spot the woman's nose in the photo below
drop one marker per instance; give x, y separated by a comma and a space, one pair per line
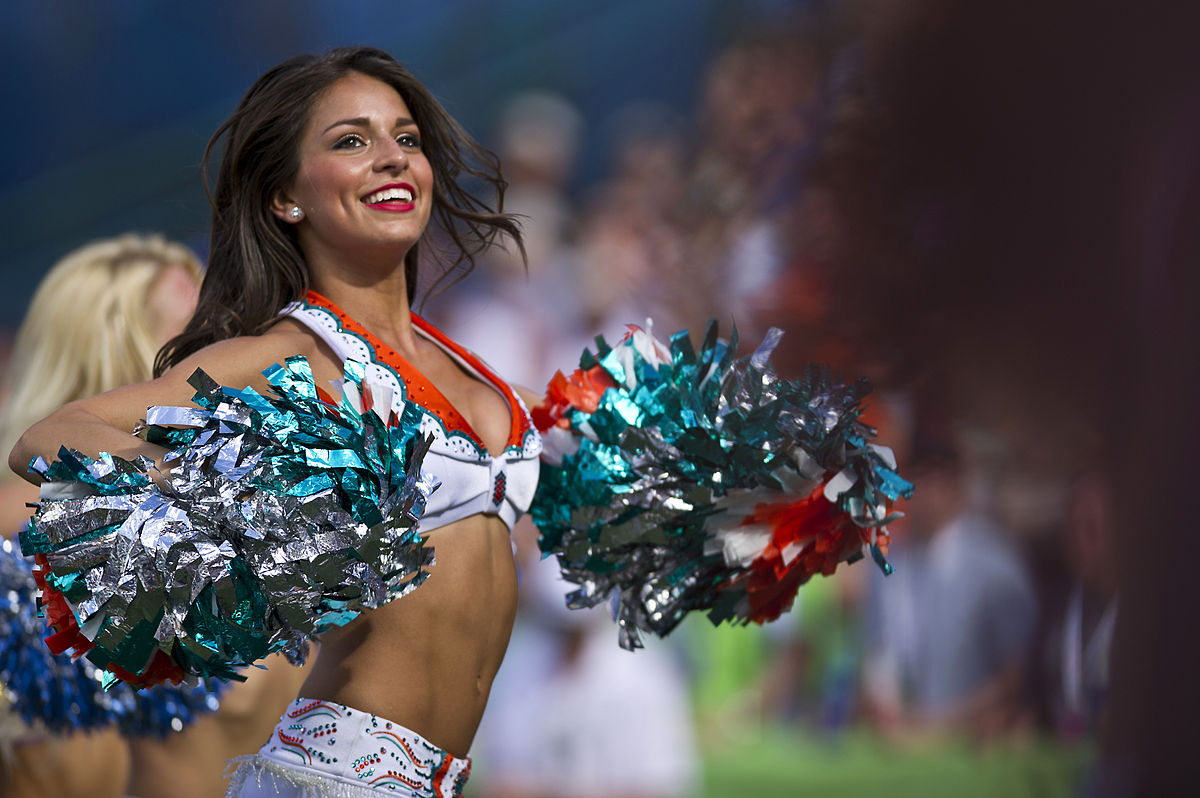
390, 155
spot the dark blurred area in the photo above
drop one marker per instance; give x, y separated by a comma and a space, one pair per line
1021, 183
989, 209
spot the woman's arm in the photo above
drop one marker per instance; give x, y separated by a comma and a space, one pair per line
105, 422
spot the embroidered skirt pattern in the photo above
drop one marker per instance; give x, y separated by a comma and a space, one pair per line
321, 749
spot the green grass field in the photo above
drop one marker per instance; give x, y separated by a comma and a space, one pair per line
779, 764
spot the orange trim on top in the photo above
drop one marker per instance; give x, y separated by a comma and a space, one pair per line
420, 389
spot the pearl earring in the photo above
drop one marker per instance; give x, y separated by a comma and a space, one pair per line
296, 214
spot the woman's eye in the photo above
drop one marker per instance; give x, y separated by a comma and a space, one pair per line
409, 140
348, 142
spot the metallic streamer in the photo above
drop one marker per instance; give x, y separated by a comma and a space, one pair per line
679, 479
281, 516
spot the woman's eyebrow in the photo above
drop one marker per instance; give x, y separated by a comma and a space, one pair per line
362, 121
358, 121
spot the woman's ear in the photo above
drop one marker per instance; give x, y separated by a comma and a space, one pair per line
285, 209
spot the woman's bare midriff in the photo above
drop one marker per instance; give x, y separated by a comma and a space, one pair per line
427, 660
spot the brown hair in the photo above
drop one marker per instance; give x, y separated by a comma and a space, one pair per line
255, 267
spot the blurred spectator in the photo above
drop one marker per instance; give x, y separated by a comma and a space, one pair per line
573, 715
812, 666
1079, 649
527, 324
539, 134
755, 141
630, 258
958, 617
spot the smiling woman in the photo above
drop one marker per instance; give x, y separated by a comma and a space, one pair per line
256, 264
334, 170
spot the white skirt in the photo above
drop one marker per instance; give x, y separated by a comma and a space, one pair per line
324, 750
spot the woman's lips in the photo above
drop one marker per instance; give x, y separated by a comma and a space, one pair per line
397, 197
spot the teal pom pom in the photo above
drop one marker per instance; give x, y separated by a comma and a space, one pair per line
658, 460
283, 516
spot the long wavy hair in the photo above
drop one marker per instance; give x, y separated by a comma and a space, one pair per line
89, 328
255, 266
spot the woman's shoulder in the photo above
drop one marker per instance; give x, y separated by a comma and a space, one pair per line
241, 360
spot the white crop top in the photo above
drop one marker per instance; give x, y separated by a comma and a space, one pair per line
472, 480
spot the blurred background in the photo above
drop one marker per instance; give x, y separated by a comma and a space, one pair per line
990, 211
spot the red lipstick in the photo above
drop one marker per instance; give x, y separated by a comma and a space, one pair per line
393, 197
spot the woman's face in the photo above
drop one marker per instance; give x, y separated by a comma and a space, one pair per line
171, 302
364, 185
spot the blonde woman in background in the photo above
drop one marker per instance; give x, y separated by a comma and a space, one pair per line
95, 323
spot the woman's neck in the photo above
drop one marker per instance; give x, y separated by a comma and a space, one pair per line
379, 305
